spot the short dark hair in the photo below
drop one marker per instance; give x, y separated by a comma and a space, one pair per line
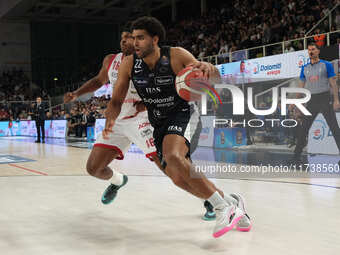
313, 44
151, 25
127, 27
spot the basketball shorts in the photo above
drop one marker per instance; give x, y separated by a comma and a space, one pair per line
137, 130
183, 123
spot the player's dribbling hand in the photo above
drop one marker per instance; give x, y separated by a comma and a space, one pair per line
69, 97
206, 68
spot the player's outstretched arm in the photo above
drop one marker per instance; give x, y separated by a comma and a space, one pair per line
93, 84
118, 94
182, 58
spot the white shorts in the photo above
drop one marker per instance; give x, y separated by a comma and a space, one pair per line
137, 130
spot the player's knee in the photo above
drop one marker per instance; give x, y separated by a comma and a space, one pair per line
173, 158
91, 168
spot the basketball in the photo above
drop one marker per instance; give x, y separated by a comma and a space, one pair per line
190, 84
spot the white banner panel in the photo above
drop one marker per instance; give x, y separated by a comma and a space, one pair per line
275, 67
55, 128
27, 128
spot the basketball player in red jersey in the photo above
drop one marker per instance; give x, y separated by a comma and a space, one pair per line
153, 69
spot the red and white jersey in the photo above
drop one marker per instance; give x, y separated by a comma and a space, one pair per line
128, 110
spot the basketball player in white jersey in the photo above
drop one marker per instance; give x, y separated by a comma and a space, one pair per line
133, 125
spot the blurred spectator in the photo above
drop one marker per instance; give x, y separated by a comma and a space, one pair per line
266, 33
289, 47
248, 23
319, 39
16, 94
49, 116
23, 115
83, 123
337, 20
71, 123
91, 119
62, 115
4, 115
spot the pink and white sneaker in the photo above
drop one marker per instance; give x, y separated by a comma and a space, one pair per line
226, 219
244, 224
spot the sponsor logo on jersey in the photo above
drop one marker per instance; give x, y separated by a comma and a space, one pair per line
164, 80
143, 125
146, 132
153, 90
159, 100
140, 82
156, 113
175, 128
114, 75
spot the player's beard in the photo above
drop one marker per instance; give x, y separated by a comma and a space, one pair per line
128, 51
147, 51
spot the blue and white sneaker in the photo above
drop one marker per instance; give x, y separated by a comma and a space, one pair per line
111, 192
210, 213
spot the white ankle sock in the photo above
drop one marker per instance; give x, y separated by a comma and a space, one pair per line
216, 200
229, 199
117, 178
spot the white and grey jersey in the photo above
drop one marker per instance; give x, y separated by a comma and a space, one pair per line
317, 76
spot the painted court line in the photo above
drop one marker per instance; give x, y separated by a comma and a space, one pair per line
27, 169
